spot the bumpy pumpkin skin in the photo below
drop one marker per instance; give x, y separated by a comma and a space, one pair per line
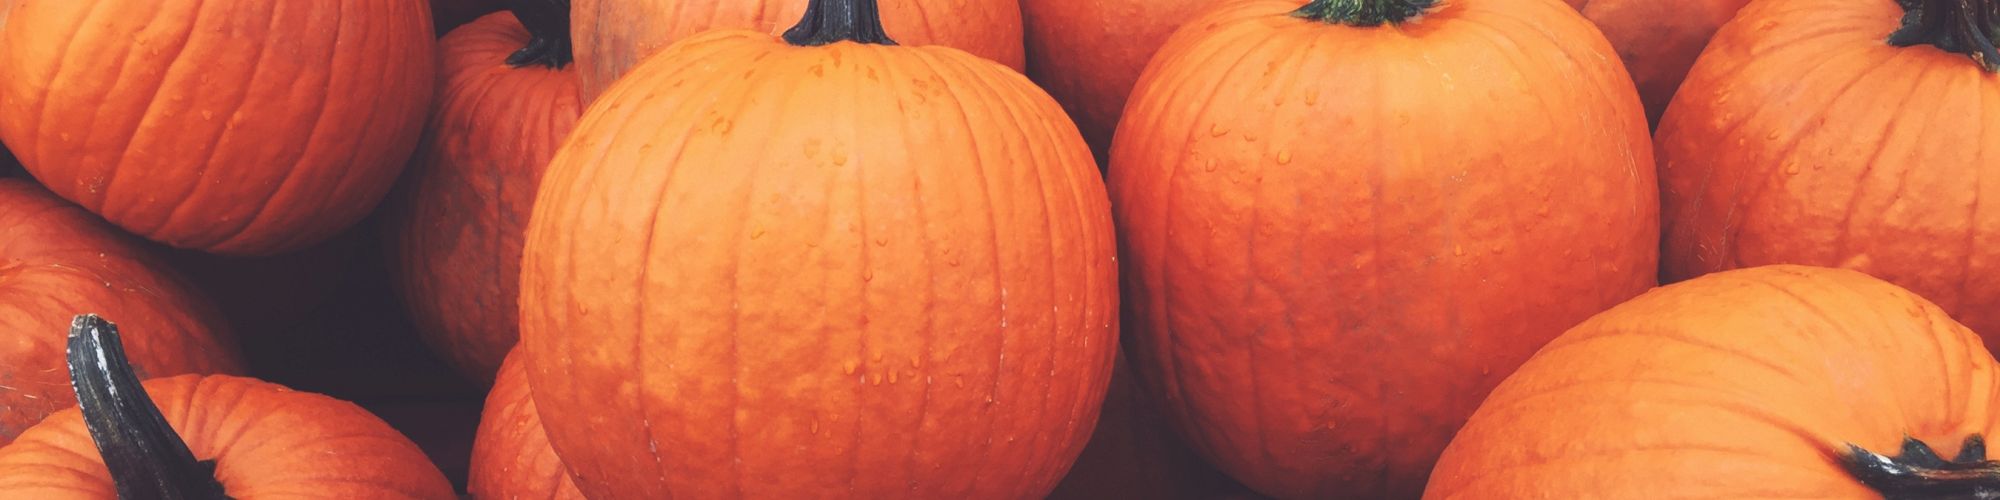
764, 271
511, 457
267, 441
1801, 137
1088, 53
241, 127
461, 212
56, 261
1740, 384
1337, 239
613, 36
1659, 40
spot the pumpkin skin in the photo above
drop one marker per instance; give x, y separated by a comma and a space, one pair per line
1719, 387
1088, 54
1658, 41
460, 214
612, 36
1133, 453
1325, 274
762, 277
55, 260
511, 457
239, 127
1855, 177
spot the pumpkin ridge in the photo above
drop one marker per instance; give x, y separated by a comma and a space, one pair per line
175, 58
1846, 225
922, 225
55, 74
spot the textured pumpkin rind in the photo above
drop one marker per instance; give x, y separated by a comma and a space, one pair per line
1337, 239
1659, 41
742, 280
57, 261
511, 457
1088, 54
458, 218
1739, 384
267, 442
242, 127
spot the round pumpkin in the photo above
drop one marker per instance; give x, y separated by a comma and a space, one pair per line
1874, 164
511, 457
57, 260
1659, 40
241, 127
507, 99
1770, 382
1341, 227
1089, 54
613, 36
820, 265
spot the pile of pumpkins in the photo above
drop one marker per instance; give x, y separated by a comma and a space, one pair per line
1445, 249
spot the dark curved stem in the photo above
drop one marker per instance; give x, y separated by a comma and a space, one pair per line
548, 33
1960, 26
147, 459
1363, 13
829, 21
1919, 474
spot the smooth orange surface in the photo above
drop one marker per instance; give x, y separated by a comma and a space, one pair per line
1802, 137
242, 127
1337, 239
459, 216
511, 458
56, 261
614, 36
1741, 384
1088, 53
1659, 40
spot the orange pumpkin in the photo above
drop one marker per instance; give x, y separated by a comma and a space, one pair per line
1341, 227
1769, 382
1089, 54
507, 99
1876, 164
820, 265
56, 259
208, 436
1658, 40
613, 36
511, 457
242, 127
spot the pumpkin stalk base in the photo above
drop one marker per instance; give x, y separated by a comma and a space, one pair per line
831, 21
1958, 26
146, 458
548, 33
1919, 474
1363, 13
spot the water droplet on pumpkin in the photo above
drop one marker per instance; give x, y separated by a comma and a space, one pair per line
1284, 157
1312, 97
812, 147
1209, 167
892, 376
817, 70
1458, 250
849, 367
1771, 136
723, 125
868, 275
1217, 130
1791, 169
815, 425
840, 158
951, 261
881, 241
756, 233
878, 379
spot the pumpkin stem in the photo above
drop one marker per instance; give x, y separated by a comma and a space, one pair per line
829, 21
548, 33
147, 459
1363, 13
1918, 473
1961, 26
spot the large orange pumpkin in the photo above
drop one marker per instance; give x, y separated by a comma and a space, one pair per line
507, 99
1658, 40
1088, 54
1817, 132
244, 127
820, 265
1769, 382
1343, 226
613, 36
56, 260
511, 457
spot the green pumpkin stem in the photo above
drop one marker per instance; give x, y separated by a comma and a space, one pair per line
1958, 26
548, 33
1363, 13
830, 21
1919, 474
146, 458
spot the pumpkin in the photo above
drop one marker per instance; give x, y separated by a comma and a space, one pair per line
1342, 226
511, 457
1089, 54
1134, 454
613, 36
507, 99
1658, 41
55, 259
207, 436
821, 264
1874, 165
1769, 382
239, 127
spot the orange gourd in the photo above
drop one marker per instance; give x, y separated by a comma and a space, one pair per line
1877, 163
819, 265
511, 457
1342, 226
507, 99
241, 127
1088, 54
1659, 40
1769, 382
613, 36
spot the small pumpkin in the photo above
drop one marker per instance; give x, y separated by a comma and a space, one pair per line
1769, 382
1659, 40
239, 127
55, 258
1342, 223
1089, 54
511, 457
207, 437
507, 99
820, 265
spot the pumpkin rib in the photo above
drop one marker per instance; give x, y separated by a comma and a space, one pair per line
1846, 224
214, 143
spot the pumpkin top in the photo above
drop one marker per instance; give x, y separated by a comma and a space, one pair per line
830, 21
548, 33
147, 459
1958, 26
1363, 13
